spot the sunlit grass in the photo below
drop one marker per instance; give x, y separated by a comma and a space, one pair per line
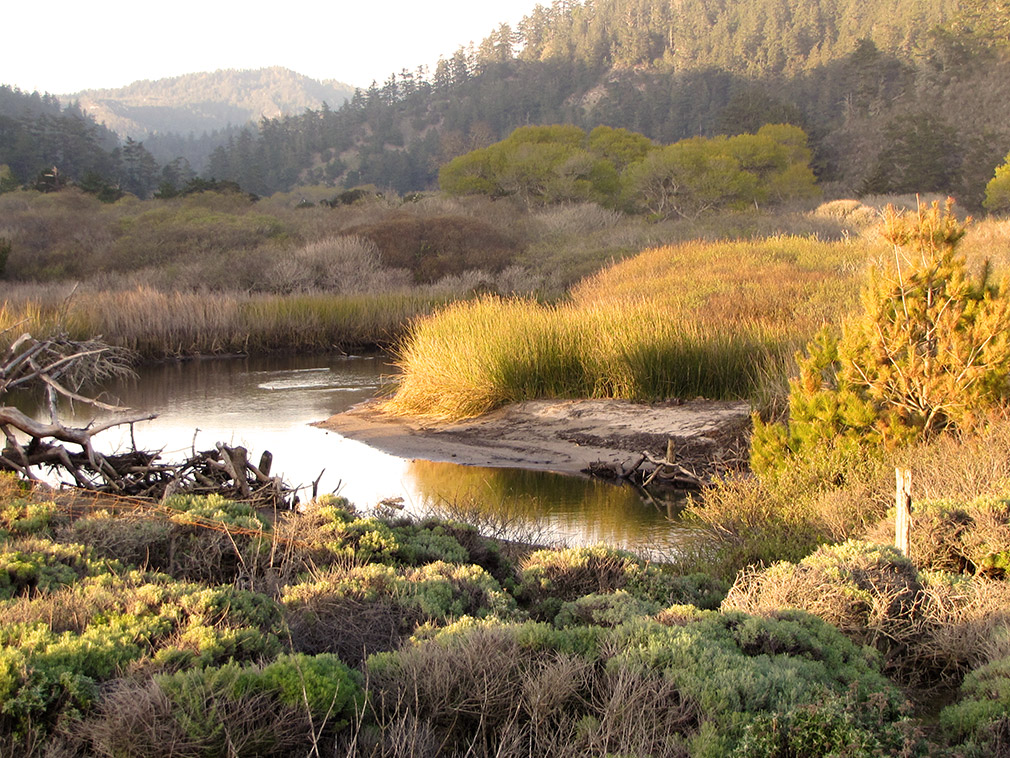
710, 319
157, 324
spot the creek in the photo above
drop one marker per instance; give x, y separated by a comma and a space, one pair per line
269, 403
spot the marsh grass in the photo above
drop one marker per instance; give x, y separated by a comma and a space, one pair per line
157, 324
711, 319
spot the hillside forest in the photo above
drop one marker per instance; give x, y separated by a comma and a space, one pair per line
874, 85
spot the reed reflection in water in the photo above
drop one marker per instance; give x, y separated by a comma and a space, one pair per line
577, 511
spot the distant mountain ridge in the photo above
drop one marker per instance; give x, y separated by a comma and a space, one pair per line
207, 101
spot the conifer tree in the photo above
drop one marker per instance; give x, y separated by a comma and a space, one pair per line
929, 351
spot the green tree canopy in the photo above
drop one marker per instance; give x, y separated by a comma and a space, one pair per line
997, 191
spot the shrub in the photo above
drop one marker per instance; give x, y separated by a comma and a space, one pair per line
21, 514
364, 609
278, 709
346, 265
610, 609
58, 646
199, 540
708, 685
548, 578
439, 246
929, 351
564, 575
962, 537
930, 628
215, 508
980, 721
30, 566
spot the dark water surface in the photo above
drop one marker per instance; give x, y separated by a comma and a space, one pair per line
269, 404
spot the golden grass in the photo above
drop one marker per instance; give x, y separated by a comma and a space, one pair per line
158, 324
706, 319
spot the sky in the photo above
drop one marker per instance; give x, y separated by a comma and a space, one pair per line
65, 46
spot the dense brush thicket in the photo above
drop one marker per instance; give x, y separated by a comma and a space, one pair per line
332, 632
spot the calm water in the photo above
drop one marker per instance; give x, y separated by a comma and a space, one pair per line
269, 404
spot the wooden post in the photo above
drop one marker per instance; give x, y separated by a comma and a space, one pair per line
903, 510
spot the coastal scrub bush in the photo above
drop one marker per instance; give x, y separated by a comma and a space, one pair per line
929, 351
708, 685
402, 541
346, 264
32, 565
431, 248
59, 645
959, 537
979, 723
217, 509
194, 538
287, 707
929, 627
20, 517
550, 578
364, 609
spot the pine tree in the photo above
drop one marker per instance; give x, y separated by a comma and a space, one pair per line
929, 351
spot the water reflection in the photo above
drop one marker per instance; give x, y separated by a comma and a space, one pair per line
579, 511
270, 403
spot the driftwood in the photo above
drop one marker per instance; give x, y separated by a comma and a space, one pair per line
60, 368
647, 470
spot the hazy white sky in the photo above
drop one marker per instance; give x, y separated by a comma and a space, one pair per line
64, 46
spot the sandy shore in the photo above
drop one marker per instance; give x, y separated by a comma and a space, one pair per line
564, 436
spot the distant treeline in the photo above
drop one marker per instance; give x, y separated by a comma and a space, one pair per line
874, 85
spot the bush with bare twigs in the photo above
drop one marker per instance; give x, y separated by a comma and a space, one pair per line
930, 627
703, 687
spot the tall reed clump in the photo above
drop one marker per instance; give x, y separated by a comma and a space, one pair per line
698, 319
157, 324
475, 356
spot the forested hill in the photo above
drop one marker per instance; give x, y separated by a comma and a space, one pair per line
38, 133
878, 84
895, 95
751, 37
208, 101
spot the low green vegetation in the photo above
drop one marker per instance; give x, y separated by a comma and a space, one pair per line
348, 633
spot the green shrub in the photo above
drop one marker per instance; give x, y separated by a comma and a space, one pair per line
19, 517
962, 537
929, 351
442, 591
220, 707
980, 721
60, 645
216, 508
930, 627
364, 609
41, 566
609, 610
549, 578
709, 684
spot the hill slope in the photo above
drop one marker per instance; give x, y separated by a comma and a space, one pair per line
874, 84
207, 101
